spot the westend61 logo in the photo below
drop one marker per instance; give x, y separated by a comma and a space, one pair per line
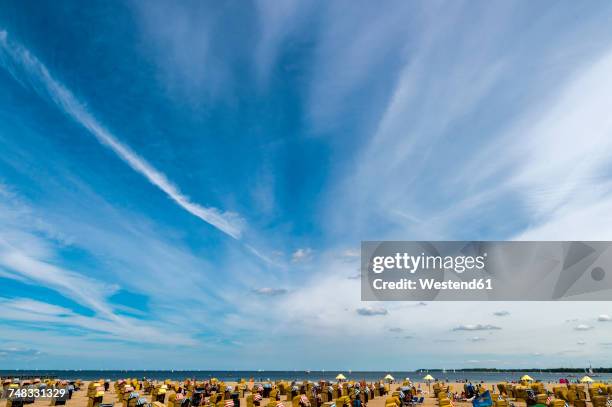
411, 263
486, 271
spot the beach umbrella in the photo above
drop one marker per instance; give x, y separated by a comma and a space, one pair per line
389, 378
429, 378
526, 378
341, 377
587, 380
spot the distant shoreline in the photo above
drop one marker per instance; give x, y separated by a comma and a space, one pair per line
471, 370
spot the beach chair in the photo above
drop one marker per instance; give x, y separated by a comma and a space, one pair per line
92, 388
444, 402
131, 399
344, 401
159, 393
541, 398
13, 401
274, 394
95, 399
392, 401
175, 399
572, 396
325, 394
501, 403
60, 400
599, 401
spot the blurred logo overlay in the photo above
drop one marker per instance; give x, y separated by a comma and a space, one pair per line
486, 271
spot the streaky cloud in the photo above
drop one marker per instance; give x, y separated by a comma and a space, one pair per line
476, 327
19, 61
270, 291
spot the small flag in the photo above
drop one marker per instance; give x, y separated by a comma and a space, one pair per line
257, 397
229, 403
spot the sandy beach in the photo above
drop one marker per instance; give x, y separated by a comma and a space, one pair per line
80, 399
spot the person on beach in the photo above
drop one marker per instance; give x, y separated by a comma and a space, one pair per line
357, 400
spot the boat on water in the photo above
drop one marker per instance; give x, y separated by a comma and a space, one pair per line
590, 372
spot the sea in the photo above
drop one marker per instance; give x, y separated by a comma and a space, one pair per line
272, 375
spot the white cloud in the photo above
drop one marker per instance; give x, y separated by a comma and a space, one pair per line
371, 311
19, 61
476, 327
31, 255
83, 290
351, 253
19, 353
501, 313
301, 255
559, 161
112, 327
604, 318
269, 291
583, 327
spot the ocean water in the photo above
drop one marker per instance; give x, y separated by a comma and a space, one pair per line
225, 375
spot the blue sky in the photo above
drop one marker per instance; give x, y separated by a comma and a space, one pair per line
186, 185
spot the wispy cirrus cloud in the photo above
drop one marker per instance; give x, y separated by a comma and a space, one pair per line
270, 291
301, 255
19, 353
476, 327
25, 67
371, 311
112, 327
30, 253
